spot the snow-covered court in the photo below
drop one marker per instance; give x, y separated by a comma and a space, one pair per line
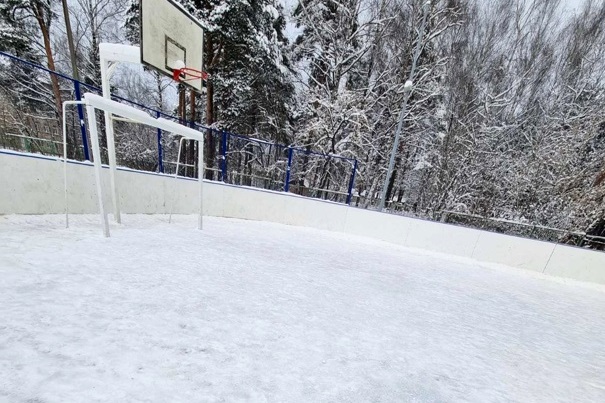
252, 311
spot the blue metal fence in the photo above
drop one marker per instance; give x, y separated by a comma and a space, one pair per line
270, 165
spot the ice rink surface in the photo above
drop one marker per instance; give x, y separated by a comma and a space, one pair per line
251, 311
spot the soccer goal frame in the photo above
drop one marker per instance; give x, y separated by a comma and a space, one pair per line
112, 108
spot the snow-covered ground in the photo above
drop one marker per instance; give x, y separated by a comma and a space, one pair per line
249, 311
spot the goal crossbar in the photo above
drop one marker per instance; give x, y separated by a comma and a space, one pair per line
93, 102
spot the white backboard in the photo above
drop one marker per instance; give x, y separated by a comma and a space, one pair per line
170, 34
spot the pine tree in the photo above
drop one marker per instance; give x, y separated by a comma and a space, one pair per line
249, 66
14, 31
132, 25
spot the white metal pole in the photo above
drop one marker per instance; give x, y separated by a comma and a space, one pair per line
65, 166
176, 174
96, 153
407, 89
111, 146
65, 157
200, 174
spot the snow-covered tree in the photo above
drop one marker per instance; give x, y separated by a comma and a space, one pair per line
15, 32
249, 91
331, 54
94, 22
38, 96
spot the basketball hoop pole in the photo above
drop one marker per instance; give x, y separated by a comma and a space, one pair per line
191, 150
183, 118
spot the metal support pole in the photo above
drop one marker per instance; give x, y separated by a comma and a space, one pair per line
65, 167
200, 178
76, 76
160, 150
352, 183
110, 137
81, 118
96, 154
190, 149
176, 175
404, 108
407, 89
288, 169
78, 103
224, 157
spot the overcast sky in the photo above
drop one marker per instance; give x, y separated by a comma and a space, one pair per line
573, 4
569, 6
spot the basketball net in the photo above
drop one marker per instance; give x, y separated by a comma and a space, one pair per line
189, 74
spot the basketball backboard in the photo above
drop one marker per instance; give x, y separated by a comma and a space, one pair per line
171, 37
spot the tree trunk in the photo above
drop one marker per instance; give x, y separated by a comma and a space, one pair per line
38, 10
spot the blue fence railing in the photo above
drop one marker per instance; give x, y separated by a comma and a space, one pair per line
242, 160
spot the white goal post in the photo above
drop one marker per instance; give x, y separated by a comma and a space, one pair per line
110, 55
171, 39
134, 115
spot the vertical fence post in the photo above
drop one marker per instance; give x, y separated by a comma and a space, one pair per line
81, 118
160, 149
288, 169
352, 183
224, 157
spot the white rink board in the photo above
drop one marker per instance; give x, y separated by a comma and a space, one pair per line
307, 212
34, 185
442, 238
245, 203
385, 227
513, 251
576, 263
